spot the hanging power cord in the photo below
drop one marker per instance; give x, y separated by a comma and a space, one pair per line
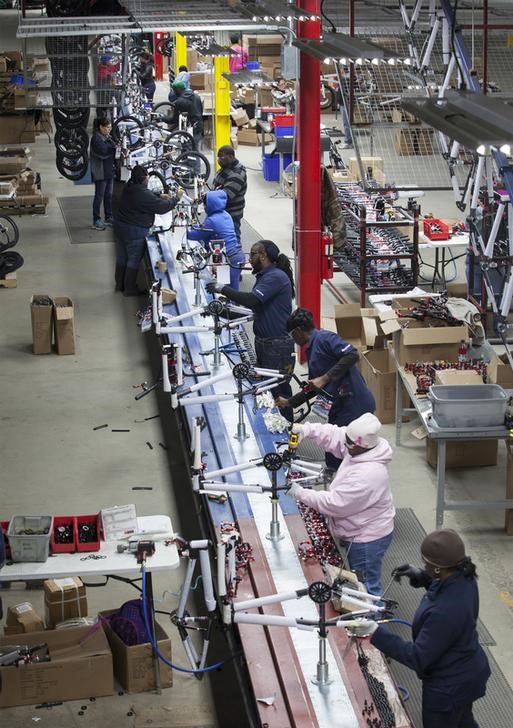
215, 666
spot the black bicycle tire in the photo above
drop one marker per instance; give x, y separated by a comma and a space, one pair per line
62, 118
60, 9
184, 159
330, 96
161, 178
10, 262
158, 106
74, 177
11, 241
64, 145
123, 119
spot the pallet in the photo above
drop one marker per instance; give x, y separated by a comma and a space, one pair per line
10, 281
23, 210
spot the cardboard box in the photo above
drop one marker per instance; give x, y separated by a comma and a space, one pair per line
379, 372
17, 129
247, 136
64, 325
373, 162
64, 599
192, 59
239, 116
133, 665
456, 376
201, 80
22, 618
359, 326
415, 140
457, 290
80, 667
464, 453
418, 342
500, 372
41, 316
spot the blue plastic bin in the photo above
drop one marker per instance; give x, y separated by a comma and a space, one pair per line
271, 166
281, 131
253, 66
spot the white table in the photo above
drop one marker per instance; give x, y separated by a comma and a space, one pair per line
110, 563
443, 254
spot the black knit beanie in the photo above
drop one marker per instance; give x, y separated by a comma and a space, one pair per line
443, 548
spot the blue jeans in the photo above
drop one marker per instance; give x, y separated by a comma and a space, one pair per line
236, 225
102, 193
366, 559
130, 243
278, 353
236, 259
149, 90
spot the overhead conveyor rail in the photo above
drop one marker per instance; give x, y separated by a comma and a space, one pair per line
143, 17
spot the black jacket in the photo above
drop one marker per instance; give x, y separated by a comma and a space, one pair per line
138, 206
445, 652
145, 73
103, 154
233, 181
189, 103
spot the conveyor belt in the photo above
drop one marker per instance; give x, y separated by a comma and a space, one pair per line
282, 570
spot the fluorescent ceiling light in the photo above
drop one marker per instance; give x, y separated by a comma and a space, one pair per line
469, 118
339, 46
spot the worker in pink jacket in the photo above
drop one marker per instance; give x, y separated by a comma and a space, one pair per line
358, 503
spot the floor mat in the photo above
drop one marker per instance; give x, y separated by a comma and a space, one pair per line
496, 708
77, 214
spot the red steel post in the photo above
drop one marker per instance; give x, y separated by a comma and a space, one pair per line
308, 209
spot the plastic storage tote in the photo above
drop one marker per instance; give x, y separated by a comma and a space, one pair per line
469, 406
30, 546
271, 166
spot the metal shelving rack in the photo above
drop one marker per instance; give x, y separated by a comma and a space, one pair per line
358, 221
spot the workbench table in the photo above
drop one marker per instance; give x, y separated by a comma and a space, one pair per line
423, 408
107, 562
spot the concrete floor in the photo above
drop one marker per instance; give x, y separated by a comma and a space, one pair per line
53, 461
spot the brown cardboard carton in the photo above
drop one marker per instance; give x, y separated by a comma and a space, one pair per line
500, 372
247, 136
80, 667
64, 325
359, 326
240, 117
22, 618
133, 665
41, 324
464, 453
378, 370
457, 290
373, 162
201, 80
64, 599
192, 59
17, 129
455, 376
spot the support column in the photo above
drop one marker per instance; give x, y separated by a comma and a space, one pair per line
221, 119
158, 58
308, 207
180, 51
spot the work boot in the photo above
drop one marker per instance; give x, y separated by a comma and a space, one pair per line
131, 288
119, 277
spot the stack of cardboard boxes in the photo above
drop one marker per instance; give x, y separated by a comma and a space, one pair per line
266, 49
18, 185
84, 660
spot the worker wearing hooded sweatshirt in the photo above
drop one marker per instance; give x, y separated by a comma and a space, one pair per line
218, 225
358, 503
188, 102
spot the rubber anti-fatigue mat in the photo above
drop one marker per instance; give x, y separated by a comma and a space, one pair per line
78, 218
496, 708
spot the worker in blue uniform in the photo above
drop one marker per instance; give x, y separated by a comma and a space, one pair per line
271, 302
445, 651
218, 225
332, 374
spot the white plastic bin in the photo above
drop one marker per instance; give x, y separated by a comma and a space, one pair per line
30, 546
468, 406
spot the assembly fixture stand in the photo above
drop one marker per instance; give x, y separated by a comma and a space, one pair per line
240, 371
273, 462
320, 593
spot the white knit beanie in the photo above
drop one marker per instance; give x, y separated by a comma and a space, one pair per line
364, 431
